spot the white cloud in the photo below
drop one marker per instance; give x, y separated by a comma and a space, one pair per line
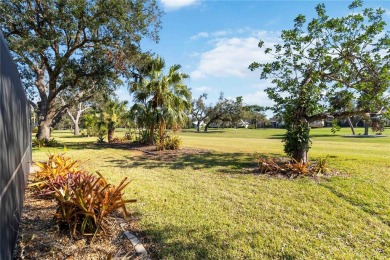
203, 89
177, 4
199, 36
232, 56
258, 98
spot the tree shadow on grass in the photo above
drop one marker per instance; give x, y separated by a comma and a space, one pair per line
367, 206
230, 163
200, 243
281, 136
210, 131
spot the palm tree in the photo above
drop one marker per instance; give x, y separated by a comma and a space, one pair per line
161, 100
113, 112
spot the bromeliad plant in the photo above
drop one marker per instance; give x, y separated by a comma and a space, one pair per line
291, 167
53, 169
85, 200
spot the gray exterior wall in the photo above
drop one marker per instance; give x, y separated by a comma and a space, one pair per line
15, 150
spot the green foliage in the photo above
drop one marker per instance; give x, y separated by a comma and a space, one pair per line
84, 47
320, 166
377, 125
35, 130
335, 126
225, 111
130, 136
52, 143
168, 142
323, 67
296, 138
84, 133
38, 142
45, 142
160, 100
102, 131
144, 137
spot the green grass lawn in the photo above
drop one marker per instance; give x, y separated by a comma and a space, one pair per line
212, 206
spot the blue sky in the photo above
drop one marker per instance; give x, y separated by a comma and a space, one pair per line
215, 41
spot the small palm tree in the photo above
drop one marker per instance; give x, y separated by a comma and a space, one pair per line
113, 113
161, 100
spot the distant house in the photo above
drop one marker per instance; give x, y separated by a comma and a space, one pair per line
276, 122
243, 124
317, 124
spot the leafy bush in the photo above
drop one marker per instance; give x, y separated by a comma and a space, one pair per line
45, 143
321, 166
144, 135
52, 143
130, 136
100, 139
168, 142
38, 142
84, 133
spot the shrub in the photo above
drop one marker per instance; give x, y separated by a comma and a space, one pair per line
168, 142
320, 166
100, 139
144, 135
38, 142
130, 136
84, 133
45, 143
52, 143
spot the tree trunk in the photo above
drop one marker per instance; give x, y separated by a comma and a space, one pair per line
110, 134
206, 127
76, 129
351, 125
302, 154
43, 131
366, 127
151, 135
45, 121
198, 126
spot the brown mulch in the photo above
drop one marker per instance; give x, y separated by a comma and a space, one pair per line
41, 238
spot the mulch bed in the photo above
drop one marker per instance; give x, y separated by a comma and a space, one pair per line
41, 238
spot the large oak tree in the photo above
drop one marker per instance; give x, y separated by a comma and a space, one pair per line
75, 46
